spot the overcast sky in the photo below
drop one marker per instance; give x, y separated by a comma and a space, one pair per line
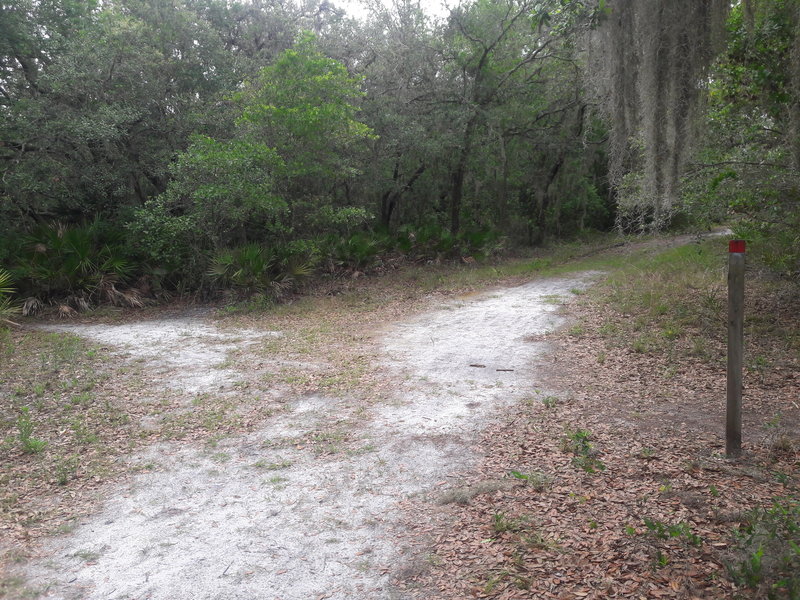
355, 8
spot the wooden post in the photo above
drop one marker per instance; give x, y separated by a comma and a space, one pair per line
733, 419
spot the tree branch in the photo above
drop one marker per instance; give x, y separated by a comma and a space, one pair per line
700, 166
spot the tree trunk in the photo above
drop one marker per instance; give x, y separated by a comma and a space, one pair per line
502, 191
457, 192
391, 198
794, 79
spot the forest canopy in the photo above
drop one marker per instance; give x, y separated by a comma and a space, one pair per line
190, 145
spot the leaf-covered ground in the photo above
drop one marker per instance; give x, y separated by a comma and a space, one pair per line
607, 481
617, 483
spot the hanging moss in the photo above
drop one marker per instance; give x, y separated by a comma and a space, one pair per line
650, 59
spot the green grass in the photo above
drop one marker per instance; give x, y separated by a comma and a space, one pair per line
767, 556
536, 479
15, 587
578, 442
654, 286
675, 303
51, 414
502, 523
669, 302
664, 531
550, 401
272, 466
30, 445
558, 259
63, 349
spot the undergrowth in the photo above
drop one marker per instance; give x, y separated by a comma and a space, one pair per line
767, 555
578, 442
675, 303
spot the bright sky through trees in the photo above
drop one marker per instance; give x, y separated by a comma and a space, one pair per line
359, 8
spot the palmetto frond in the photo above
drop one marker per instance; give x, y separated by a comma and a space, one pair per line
7, 306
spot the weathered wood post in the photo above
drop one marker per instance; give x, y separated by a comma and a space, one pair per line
733, 419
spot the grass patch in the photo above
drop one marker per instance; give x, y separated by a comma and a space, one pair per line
272, 466
679, 287
767, 556
674, 303
550, 401
30, 445
665, 531
49, 414
537, 480
669, 303
14, 587
502, 523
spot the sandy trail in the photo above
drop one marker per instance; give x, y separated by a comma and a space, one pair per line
260, 516
189, 353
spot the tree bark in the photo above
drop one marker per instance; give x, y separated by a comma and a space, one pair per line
460, 170
391, 198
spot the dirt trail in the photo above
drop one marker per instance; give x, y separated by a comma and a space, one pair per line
261, 516
188, 353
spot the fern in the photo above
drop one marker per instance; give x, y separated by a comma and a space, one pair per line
8, 307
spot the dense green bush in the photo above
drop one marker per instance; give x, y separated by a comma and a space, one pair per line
773, 244
432, 242
253, 268
84, 263
92, 263
747, 170
355, 252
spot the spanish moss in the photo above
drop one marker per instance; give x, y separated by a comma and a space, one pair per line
651, 59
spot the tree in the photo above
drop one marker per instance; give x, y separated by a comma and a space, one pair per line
651, 60
495, 44
305, 105
295, 140
98, 98
748, 165
108, 110
518, 140
396, 54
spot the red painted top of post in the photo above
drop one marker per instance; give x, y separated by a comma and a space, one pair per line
736, 246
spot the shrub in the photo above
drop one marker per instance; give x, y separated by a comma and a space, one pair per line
357, 252
84, 263
433, 241
768, 554
775, 245
253, 268
7, 306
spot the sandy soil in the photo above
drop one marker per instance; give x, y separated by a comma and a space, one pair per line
188, 353
261, 515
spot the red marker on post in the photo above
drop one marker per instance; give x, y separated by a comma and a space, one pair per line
737, 246
733, 418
